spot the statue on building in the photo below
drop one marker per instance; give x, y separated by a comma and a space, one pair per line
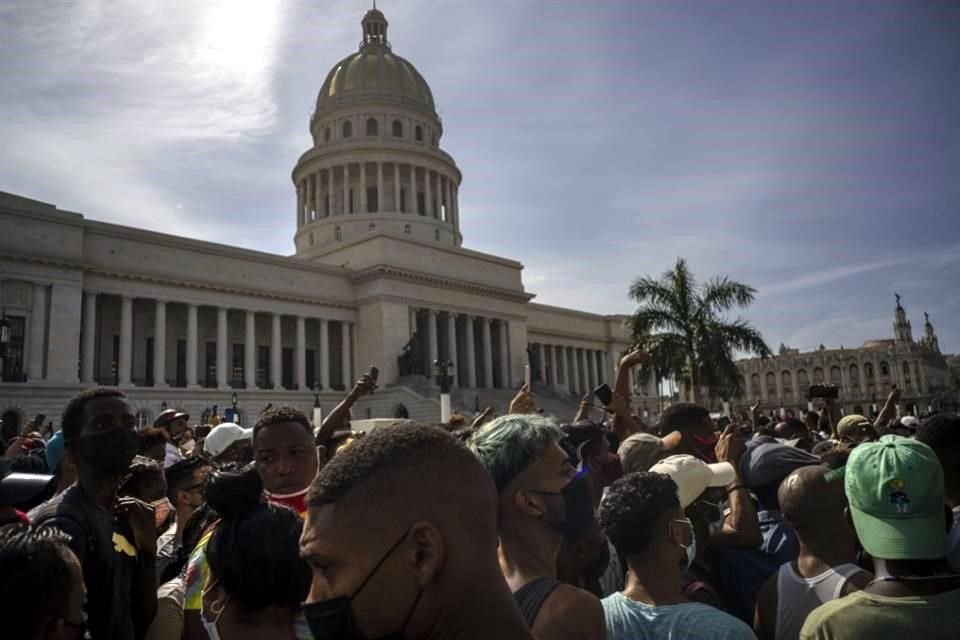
410, 362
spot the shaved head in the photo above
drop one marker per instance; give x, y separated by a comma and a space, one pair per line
810, 502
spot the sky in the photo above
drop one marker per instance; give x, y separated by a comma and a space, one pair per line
809, 149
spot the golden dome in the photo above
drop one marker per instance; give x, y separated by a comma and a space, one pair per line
375, 72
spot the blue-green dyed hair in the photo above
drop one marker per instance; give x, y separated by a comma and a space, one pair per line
507, 445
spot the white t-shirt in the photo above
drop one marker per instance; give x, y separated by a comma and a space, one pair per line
627, 619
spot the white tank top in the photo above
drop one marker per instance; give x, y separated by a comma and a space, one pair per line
798, 596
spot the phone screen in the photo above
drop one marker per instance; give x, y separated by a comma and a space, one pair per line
604, 394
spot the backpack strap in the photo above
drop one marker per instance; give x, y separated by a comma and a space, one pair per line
70, 512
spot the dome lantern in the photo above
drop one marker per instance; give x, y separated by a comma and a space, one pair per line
374, 25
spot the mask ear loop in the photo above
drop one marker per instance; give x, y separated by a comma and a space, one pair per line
383, 559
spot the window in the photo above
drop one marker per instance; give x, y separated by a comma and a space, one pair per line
237, 369
326, 134
421, 203
286, 378
263, 366
818, 376
372, 128
755, 384
397, 129
787, 382
148, 364
373, 200
403, 200
884, 369
347, 129
771, 380
181, 363
210, 379
13, 358
835, 376
311, 361
868, 371
803, 381
418, 133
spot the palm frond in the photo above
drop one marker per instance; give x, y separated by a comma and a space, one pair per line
722, 294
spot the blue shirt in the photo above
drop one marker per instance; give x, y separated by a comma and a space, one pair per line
630, 620
740, 573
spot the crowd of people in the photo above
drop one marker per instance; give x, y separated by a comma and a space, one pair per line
516, 526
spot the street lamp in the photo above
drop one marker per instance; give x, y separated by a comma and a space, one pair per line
317, 411
233, 401
444, 380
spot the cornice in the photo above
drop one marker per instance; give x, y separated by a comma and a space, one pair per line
199, 285
385, 271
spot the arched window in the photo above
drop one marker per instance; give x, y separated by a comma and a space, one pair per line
397, 129
326, 134
868, 370
884, 369
787, 381
347, 129
836, 378
372, 126
818, 376
771, 384
755, 384
803, 381
338, 233
418, 133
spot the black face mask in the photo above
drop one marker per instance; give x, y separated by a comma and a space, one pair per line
333, 619
110, 452
578, 509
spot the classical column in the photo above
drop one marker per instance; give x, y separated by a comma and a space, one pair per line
427, 195
452, 345
160, 344
505, 381
191, 345
456, 205
591, 368
433, 353
413, 190
300, 203
555, 353
125, 356
542, 362
345, 344
363, 187
575, 367
471, 352
89, 336
38, 325
380, 206
301, 358
413, 321
346, 189
448, 196
222, 348
250, 350
487, 353
276, 352
396, 187
438, 201
324, 365
318, 194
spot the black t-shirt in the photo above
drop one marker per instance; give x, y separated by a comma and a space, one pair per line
109, 559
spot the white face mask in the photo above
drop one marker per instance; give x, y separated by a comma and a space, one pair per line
690, 549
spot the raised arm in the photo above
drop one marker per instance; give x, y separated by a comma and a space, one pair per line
337, 419
889, 411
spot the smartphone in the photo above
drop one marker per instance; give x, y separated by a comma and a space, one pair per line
604, 394
823, 391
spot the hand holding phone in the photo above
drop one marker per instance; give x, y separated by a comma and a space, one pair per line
604, 394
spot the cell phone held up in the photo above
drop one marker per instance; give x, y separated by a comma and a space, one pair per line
825, 391
604, 394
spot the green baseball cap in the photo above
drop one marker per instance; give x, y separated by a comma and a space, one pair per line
895, 490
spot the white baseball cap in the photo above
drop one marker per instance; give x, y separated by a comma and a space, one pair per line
693, 475
223, 435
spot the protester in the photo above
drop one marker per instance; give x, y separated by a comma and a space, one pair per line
693, 423
42, 584
339, 418
794, 432
741, 573
153, 444
64, 470
942, 434
185, 481
285, 456
114, 539
542, 501
855, 429
895, 491
174, 423
401, 536
257, 580
825, 568
641, 451
19, 492
643, 517
229, 442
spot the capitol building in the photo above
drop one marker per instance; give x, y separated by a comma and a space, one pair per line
379, 277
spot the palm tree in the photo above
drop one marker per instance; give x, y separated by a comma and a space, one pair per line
681, 324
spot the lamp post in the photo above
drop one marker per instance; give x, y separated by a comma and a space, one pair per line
4, 340
317, 411
233, 401
444, 380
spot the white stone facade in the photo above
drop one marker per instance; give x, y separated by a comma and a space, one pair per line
186, 323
